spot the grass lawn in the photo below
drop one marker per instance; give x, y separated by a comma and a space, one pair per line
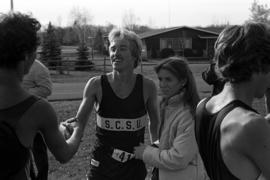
78, 166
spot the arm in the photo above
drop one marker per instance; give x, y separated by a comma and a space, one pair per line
48, 124
152, 108
89, 98
41, 80
182, 151
64, 150
256, 134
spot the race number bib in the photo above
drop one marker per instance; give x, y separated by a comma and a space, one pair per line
122, 156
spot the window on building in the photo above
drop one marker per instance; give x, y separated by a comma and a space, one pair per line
177, 44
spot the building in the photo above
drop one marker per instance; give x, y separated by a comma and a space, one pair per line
193, 43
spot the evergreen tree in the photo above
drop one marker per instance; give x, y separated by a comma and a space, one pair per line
51, 49
98, 41
83, 62
260, 13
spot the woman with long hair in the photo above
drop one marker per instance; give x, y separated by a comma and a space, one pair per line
176, 156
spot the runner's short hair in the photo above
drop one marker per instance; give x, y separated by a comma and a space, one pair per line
135, 43
242, 50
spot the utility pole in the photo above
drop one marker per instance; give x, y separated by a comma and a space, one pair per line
11, 5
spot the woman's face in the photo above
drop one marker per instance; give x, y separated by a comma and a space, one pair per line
168, 83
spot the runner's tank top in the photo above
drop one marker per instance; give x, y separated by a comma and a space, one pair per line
14, 156
121, 122
207, 129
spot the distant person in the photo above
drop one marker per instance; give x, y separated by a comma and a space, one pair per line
23, 115
123, 102
233, 138
177, 157
38, 82
211, 77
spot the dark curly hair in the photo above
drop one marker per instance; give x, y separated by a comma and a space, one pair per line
18, 37
243, 50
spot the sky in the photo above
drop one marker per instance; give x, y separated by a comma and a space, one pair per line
153, 13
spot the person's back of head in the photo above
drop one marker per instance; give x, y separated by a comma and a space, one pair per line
243, 50
18, 38
179, 67
135, 43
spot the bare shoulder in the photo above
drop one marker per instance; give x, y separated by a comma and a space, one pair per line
245, 128
40, 114
93, 85
255, 125
243, 118
45, 108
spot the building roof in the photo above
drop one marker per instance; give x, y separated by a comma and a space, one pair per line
161, 31
208, 37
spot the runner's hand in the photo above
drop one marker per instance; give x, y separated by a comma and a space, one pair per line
65, 130
67, 127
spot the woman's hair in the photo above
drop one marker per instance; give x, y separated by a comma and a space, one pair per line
18, 37
179, 67
135, 43
243, 50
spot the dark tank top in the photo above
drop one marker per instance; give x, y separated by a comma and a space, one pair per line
14, 156
121, 121
207, 129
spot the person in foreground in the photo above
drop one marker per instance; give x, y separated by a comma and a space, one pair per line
122, 102
233, 138
38, 82
22, 115
177, 156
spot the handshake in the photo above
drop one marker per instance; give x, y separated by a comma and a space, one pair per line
67, 127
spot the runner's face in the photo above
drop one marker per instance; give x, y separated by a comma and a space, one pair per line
120, 55
168, 83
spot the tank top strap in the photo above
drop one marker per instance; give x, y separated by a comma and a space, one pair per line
15, 112
138, 88
104, 82
107, 90
229, 107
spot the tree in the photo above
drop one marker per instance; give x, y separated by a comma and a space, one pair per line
98, 41
260, 12
129, 20
81, 19
70, 37
108, 27
83, 63
51, 49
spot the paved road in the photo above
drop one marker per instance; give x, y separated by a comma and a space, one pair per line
74, 91
67, 91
